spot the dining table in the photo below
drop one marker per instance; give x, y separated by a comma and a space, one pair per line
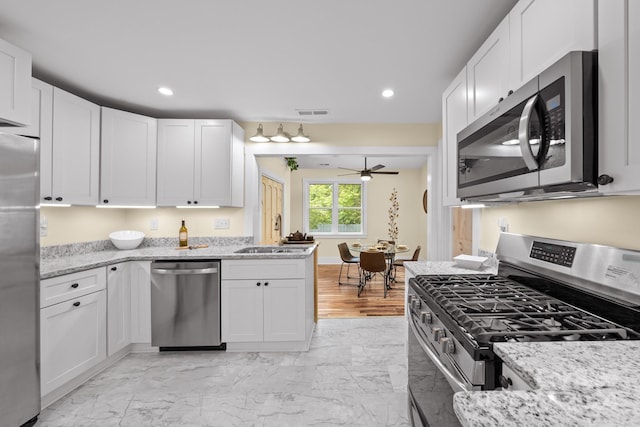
389, 251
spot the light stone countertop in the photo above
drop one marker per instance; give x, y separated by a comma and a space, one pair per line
577, 383
58, 266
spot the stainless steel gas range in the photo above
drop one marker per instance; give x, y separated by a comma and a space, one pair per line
545, 290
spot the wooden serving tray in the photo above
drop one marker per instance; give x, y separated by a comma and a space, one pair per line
299, 242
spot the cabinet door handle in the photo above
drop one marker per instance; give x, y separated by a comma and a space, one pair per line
258, 284
105, 201
188, 202
76, 304
195, 202
114, 268
266, 283
59, 199
48, 198
75, 285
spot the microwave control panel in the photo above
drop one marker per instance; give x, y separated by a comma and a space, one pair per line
555, 254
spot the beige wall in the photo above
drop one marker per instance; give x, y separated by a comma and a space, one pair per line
409, 183
85, 224
612, 221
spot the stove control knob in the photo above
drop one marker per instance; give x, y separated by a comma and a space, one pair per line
416, 304
437, 334
425, 317
447, 346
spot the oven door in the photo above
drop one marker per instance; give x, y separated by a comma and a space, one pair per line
431, 384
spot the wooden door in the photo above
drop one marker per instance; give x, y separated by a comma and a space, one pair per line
271, 211
462, 231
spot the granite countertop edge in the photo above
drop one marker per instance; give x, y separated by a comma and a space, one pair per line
74, 263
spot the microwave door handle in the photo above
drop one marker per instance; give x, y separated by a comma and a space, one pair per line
523, 134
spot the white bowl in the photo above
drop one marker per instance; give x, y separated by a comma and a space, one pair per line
126, 239
468, 261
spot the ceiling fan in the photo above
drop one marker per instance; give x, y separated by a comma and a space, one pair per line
366, 173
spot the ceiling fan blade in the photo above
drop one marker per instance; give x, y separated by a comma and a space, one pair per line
345, 174
376, 167
349, 169
386, 173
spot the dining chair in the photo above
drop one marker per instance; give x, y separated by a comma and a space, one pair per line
347, 258
370, 264
400, 261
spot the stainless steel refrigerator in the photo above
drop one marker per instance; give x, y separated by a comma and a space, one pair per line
19, 280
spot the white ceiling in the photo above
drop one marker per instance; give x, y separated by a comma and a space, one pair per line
255, 60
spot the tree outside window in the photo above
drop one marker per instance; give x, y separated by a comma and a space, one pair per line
335, 207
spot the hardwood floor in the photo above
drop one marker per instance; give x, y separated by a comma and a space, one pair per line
336, 301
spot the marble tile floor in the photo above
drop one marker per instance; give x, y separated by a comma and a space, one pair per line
355, 374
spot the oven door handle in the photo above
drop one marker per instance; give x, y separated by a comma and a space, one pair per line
453, 380
523, 134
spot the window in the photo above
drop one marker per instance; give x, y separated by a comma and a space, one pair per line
334, 207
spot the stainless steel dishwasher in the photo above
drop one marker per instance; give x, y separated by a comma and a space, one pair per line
185, 304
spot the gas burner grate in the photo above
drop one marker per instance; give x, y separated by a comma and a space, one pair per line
492, 308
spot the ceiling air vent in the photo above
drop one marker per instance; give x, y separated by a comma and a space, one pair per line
317, 112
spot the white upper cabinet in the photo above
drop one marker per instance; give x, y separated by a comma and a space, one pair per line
128, 159
41, 107
454, 119
75, 152
619, 95
220, 171
200, 163
15, 85
488, 72
543, 31
176, 158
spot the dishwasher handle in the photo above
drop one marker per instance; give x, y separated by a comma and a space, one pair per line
184, 271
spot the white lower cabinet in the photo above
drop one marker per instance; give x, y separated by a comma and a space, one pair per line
140, 274
263, 310
73, 333
118, 307
242, 311
266, 301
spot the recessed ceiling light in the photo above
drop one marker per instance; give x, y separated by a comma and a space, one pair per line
165, 91
387, 93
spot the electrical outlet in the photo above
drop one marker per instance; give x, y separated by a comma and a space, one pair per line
154, 224
44, 226
221, 224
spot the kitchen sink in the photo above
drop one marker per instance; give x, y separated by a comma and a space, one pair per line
270, 250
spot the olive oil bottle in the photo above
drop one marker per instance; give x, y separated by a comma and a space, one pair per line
183, 235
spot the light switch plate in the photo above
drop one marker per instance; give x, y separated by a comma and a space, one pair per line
154, 224
44, 226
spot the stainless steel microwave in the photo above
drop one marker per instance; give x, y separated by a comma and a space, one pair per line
540, 142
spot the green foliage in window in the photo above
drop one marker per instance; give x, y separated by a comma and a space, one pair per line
349, 209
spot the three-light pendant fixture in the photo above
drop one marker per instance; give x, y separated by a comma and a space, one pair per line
280, 136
